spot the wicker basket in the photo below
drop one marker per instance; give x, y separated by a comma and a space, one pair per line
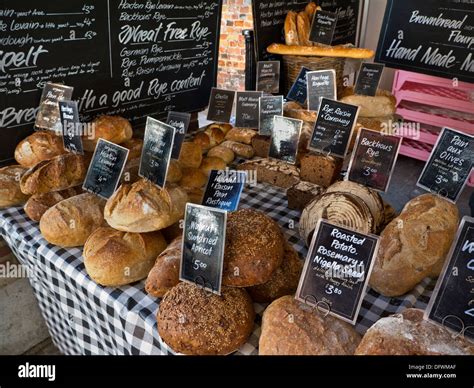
292, 66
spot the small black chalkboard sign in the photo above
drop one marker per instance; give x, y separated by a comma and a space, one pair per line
72, 129
333, 128
221, 104
269, 107
105, 168
246, 109
449, 165
285, 137
368, 79
180, 121
337, 270
224, 189
321, 84
373, 159
268, 76
203, 247
156, 153
48, 116
298, 91
452, 302
323, 26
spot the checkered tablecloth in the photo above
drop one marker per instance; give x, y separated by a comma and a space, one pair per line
85, 318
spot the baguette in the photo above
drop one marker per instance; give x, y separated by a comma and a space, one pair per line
304, 27
311, 10
41, 145
291, 30
321, 51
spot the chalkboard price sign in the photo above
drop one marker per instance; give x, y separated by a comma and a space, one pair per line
373, 159
449, 165
337, 270
156, 153
269, 106
285, 136
321, 84
368, 79
180, 121
268, 76
323, 27
221, 104
333, 128
246, 109
224, 189
48, 116
203, 247
452, 303
298, 91
431, 37
71, 125
105, 169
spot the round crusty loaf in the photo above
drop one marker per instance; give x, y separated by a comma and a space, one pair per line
134, 147
212, 163
174, 172
113, 258
226, 154
143, 207
382, 104
190, 155
292, 328
115, 129
70, 222
414, 245
408, 334
193, 321
195, 195
284, 280
37, 205
165, 272
193, 178
41, 145
254, 248
10, 192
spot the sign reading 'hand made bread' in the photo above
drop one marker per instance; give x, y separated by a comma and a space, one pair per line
452, 303
203, 247
105, 169
373, 159
132, 58
224, 189
48, 116
221, 104
323, 27
449, 165
72, 129
246, 109
285, 137
431, 37
337, 270
156, 153
321, 83
270, 106
180, 121
333, 128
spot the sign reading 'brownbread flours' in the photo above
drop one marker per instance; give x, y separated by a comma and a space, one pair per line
452, 303
337, 270
203, 247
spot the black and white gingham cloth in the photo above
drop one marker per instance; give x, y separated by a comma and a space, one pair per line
85, 318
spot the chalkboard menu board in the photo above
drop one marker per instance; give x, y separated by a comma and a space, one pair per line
132, 58
452, 303
221, 103
246, 109
203, 247
268, 76
450, 164
71, 127
337, 270
431, 37
269, 20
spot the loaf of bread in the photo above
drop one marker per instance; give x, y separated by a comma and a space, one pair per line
414, 245
212, 163
284, 280
295, 111
37, 204
241, 135
134, 147
291, 29
165, 272
41, 145
211, 137
311, 10
408, 334
193, 178
301, 194
130, 171
224, 127
226, 154
10, 192
254, 248
195, 195
58, 173
320, 51
70, 222
113, 258
272, 171
143, 207
195, 322
303, 24
291, 328
115, 129
261, 145
175, 172
190, 155
243, 150
380, 105
320, 169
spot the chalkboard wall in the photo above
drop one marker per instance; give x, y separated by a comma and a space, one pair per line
133, 58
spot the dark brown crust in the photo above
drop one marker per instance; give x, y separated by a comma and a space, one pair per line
192, 321
254, 248
319, 169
